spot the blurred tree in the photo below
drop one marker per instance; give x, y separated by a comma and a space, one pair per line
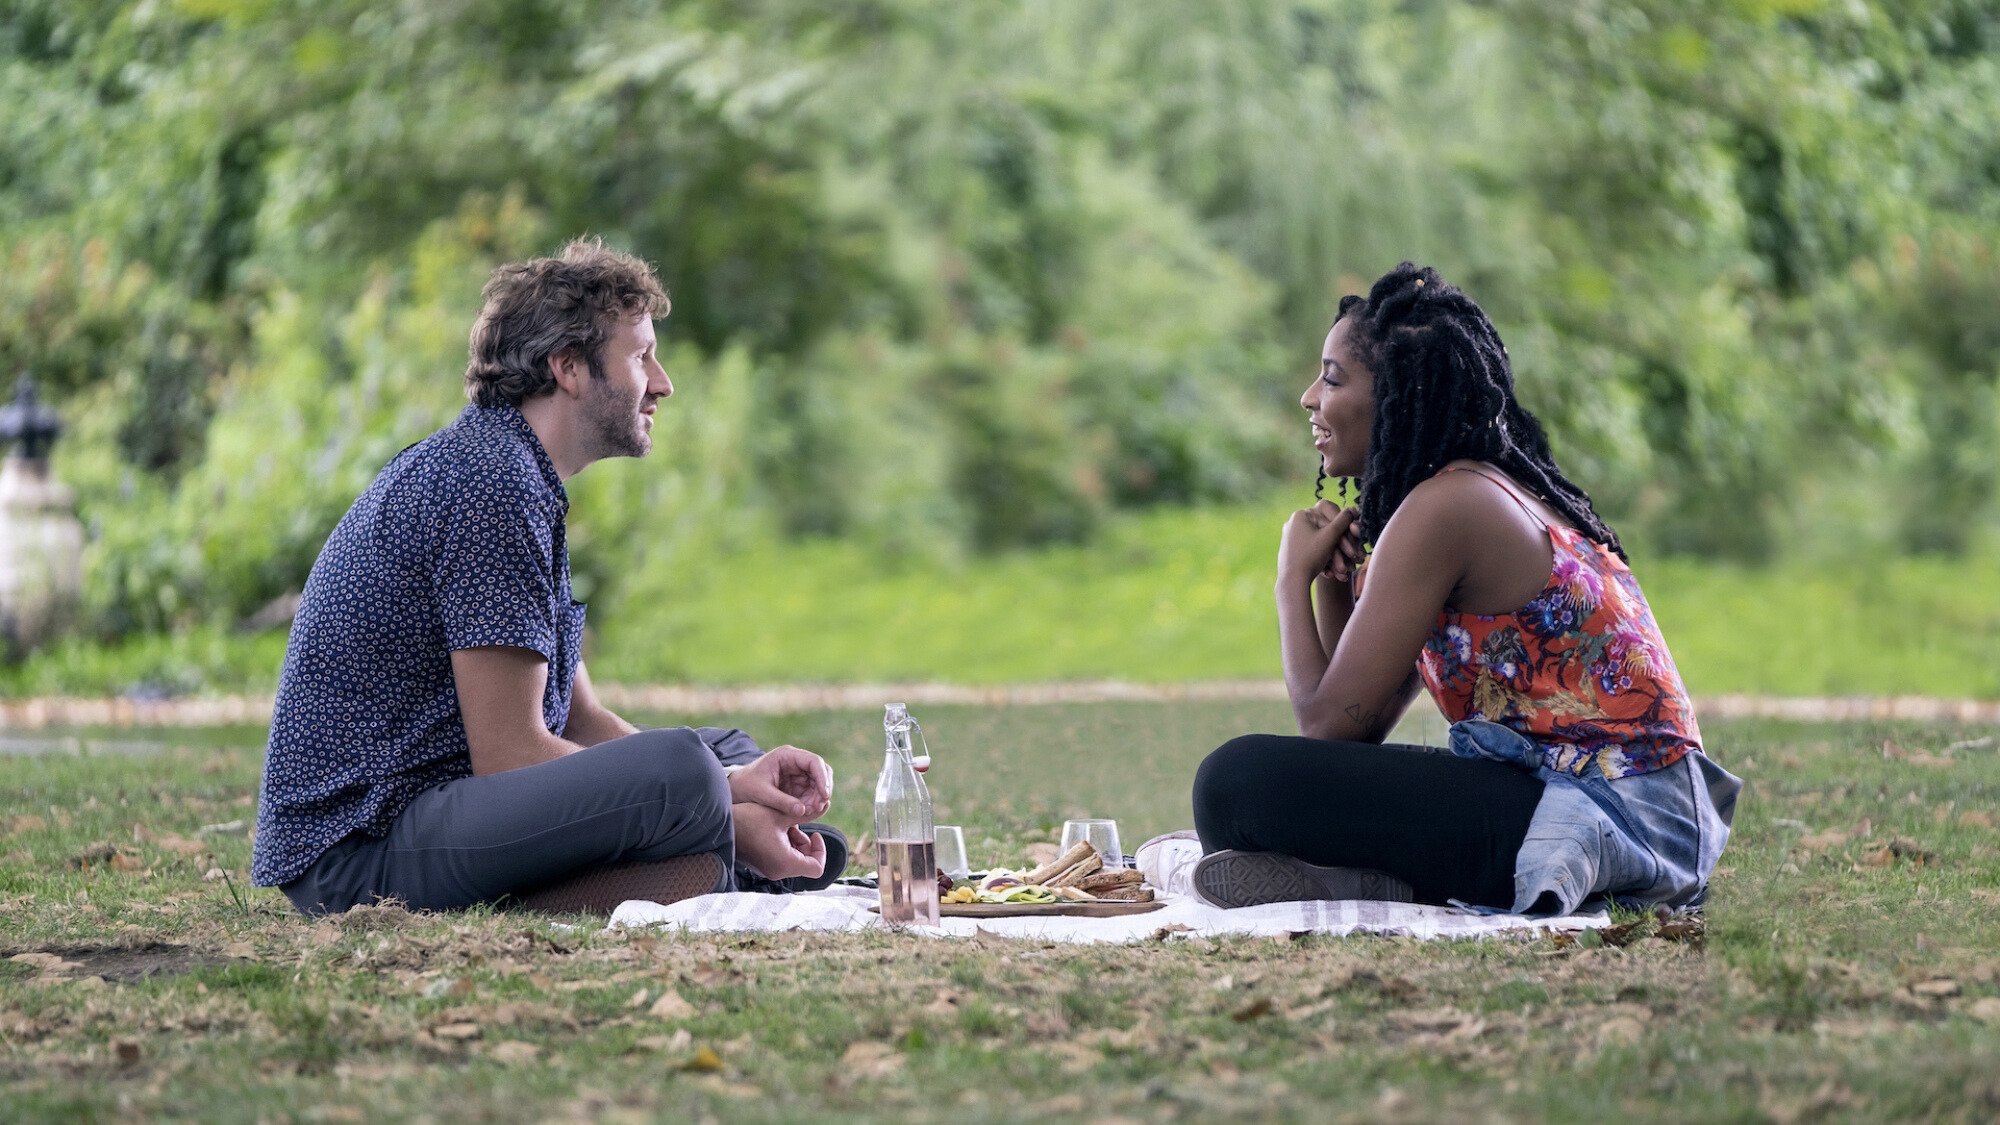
966, 277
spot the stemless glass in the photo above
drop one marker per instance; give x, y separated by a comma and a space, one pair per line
951, 851
1102, 834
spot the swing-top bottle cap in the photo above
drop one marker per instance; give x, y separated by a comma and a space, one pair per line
895, 716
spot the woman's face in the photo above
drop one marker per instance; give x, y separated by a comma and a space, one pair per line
1341, 403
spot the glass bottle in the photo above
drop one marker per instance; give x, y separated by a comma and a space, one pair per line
905, 850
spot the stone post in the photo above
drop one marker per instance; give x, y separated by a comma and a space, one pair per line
41, 543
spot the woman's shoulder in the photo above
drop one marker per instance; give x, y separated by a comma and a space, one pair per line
1459, 489
1489, 487
1448, 515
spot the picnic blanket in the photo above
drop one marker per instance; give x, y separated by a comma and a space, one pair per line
1164, 860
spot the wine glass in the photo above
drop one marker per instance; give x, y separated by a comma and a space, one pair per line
951, 851
1102, 835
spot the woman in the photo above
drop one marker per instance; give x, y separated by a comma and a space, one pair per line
1575, 767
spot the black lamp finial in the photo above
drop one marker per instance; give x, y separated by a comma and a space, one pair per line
26, 421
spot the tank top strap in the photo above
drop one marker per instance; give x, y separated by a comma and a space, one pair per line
1506, 487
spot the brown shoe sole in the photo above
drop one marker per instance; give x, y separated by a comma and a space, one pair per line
600, 890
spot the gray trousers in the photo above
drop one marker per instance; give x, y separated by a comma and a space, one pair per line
651, 795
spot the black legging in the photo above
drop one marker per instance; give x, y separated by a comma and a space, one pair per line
1448, 826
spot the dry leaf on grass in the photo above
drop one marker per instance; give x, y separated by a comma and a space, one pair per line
868, 1059
1936, 986
1624, 933
180, 845
448, 987
513, 1052
704, 1059
1834, 837
1901, 847
1688, 928
1986, 1009
459, 1031
1621, 1030
90, 856
1448, 1023
670, 1006
126, 1051
716, 1084
1073, 1058
1924, 758
679, 1041
1255, 1009
46, 962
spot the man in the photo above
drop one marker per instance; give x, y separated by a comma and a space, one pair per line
436, 740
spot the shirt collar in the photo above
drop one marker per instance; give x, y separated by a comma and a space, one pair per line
507, 422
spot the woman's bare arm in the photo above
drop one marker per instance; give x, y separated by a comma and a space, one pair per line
1361, 687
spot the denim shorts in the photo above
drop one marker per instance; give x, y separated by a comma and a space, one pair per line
1646, 839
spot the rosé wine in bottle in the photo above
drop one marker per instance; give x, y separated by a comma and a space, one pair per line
908, 874
905, 849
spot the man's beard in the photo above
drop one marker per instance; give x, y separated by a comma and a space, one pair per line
615, 426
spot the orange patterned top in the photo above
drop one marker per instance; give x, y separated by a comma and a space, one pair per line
1581, 669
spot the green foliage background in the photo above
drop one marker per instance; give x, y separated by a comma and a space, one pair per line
960, 279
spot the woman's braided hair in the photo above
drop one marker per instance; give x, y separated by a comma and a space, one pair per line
1444, 392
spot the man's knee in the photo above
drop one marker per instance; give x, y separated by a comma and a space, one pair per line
674, 767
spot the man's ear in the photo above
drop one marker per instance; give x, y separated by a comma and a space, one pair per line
569, 370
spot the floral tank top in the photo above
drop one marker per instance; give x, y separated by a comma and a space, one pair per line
1580, 669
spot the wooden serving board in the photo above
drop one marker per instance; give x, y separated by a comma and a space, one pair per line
1049, 909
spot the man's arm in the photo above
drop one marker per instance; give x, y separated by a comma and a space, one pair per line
590, 722
500, 698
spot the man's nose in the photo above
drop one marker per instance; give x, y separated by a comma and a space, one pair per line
660, 386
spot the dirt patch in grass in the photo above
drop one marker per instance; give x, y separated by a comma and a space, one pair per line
116, 964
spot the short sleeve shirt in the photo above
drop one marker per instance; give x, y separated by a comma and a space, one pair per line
458, 543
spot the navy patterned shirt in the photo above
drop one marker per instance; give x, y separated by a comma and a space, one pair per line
458, 543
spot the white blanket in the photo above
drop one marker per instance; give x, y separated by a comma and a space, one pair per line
1165, 862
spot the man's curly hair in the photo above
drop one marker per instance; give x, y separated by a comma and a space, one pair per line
546, 306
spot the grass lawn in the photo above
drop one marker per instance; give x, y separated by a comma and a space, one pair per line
1162, 596
1849, 968
1186, 595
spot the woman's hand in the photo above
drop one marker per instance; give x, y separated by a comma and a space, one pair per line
1349, 555
1312, 544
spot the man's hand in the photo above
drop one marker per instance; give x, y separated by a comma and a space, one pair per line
773, 843
788, 780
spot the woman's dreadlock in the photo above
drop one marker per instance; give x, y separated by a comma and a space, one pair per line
1444, 392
